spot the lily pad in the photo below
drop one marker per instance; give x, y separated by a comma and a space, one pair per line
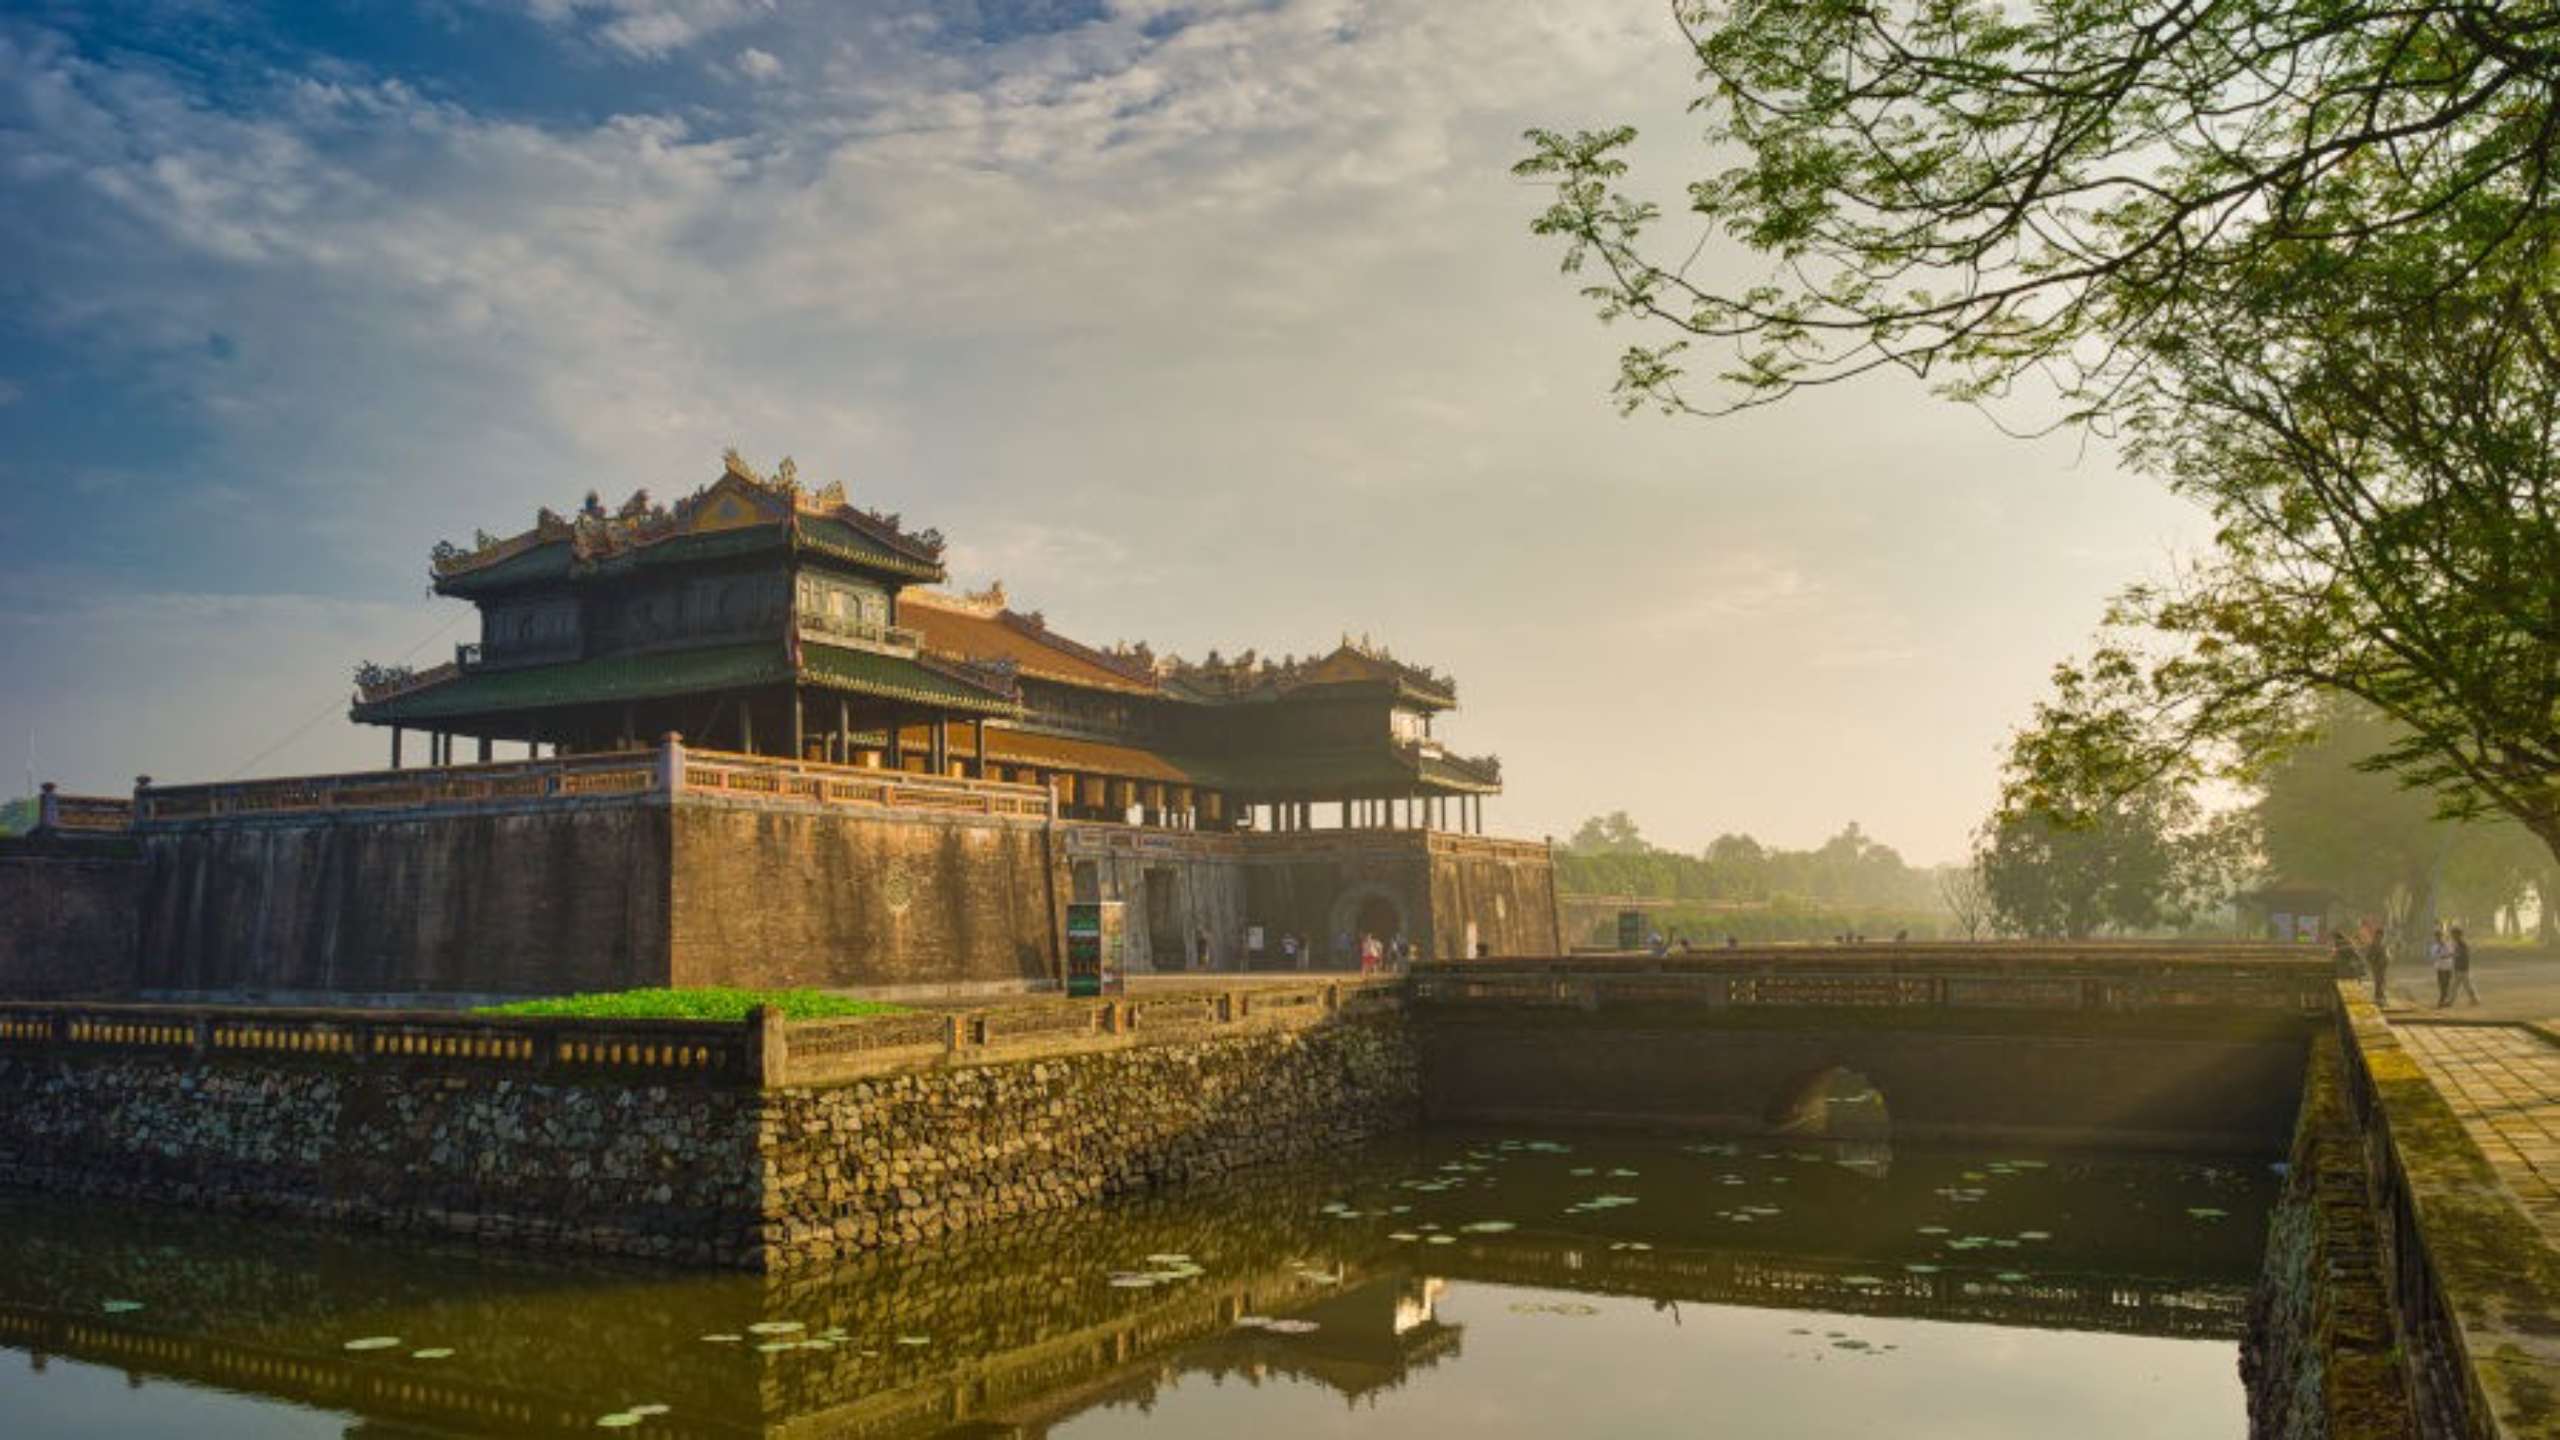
2206, 1212
121, 1307
1442, 1240
618, 1420
439, 1352
775, 1327
724, 1339
373, 1342
2035, 1234
1489, 1227
650, 1409
915, 1339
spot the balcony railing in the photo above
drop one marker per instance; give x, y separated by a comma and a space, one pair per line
859, 631
665, 769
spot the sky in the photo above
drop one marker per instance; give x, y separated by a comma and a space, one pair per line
1212, 324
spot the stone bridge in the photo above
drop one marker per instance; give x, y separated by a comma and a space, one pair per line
2126, 1045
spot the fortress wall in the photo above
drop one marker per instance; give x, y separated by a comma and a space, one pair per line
67, 919
769, 895
1511, 900
567, 896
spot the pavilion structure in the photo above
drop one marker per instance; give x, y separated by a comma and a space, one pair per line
763, 618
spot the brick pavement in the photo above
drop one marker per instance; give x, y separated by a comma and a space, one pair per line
2503, 1081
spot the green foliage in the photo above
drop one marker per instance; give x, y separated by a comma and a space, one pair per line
1850, 870
2301, 256
1976, 192
2332, 817
2098, 826
707, 1002
17, 817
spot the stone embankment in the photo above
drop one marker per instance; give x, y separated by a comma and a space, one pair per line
2322, 1357
707, 1144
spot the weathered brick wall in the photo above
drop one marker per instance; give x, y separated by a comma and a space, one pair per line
775, 896
911, 1157
559, 897
658, 1170
1510, 900
67, 919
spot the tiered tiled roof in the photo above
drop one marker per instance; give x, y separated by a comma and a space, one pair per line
742, 509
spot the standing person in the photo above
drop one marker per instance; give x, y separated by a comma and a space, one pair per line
2462, 966
2342, 955
2440, 956
2377, 963
1369, 954
1200, 948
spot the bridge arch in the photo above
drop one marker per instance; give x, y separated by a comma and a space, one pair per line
1833, 1100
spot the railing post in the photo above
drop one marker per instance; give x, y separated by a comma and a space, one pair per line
671, 761
141, 802
48, 808
768, 1046
200, 1037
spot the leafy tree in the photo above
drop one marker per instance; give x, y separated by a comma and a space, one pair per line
2330, 816
2386, 485
1974, 191
2302, 257
1966, 895
1610, 834
2096, 830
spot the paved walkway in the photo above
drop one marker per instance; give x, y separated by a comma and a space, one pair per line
2504, 1082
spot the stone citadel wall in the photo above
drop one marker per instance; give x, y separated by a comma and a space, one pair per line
283, 892
693, 1143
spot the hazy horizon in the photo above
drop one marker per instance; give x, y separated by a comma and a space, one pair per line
1217, 326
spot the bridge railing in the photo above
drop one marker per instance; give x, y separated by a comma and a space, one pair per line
531, 1046
1943, 977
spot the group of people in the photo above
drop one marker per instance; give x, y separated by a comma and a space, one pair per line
1374, 953
2448, 954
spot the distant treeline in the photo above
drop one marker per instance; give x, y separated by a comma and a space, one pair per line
1850, 872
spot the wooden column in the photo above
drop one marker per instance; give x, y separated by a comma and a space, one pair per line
940, 748
746, 728
981, 736
395, 747
844, 730
799, 732
488, 749
896, 755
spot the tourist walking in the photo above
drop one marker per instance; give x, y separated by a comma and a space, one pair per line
2440, 958
1200, 948
2462, 966
2377, 963
1289, 951
1369, 951
2342, 955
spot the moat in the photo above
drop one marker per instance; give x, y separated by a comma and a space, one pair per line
1523, 1284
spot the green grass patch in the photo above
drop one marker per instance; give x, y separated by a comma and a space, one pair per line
707, 1002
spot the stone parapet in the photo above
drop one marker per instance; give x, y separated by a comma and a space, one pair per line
2473, 1280
754, 1145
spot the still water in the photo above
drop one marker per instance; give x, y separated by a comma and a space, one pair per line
1493, 1285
